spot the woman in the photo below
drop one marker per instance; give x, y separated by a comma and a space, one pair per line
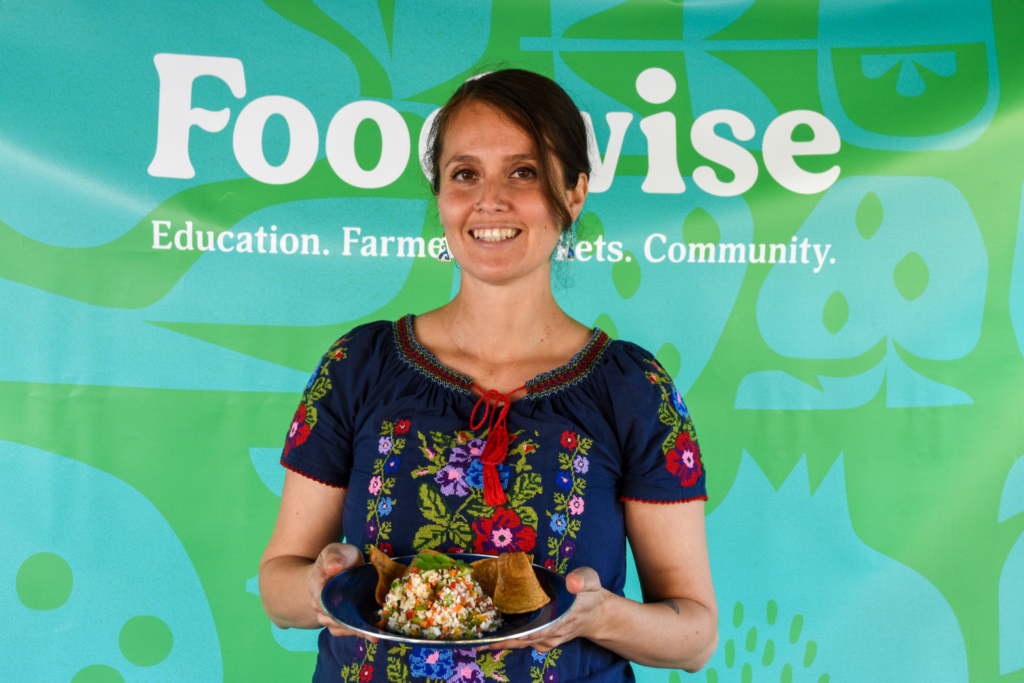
386, 446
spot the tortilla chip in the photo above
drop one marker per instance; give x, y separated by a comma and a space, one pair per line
517, 590
485, 573
387, 571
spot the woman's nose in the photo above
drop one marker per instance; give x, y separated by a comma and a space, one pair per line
492, 197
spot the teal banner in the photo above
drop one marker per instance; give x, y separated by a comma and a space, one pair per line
809, 210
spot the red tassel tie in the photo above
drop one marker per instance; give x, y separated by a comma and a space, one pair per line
497, 440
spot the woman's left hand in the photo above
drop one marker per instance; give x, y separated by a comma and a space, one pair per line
585, 584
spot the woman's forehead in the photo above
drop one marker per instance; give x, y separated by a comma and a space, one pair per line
479, 129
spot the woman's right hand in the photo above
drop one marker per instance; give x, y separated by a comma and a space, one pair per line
332, 560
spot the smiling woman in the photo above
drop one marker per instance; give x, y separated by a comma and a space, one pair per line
499, 424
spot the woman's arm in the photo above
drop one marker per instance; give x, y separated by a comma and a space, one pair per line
677, 624
302, 555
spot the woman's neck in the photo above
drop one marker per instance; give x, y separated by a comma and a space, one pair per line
502, 335
503, 324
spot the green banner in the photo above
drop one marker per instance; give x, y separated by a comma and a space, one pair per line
808, 209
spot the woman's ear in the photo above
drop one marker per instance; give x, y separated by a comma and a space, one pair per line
577, 196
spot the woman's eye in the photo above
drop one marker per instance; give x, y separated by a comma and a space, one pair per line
524, 173
462, 174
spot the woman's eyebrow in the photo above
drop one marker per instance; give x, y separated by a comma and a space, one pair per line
515, 158
458, 159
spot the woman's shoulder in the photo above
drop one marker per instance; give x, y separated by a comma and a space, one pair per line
631, 363
361, 349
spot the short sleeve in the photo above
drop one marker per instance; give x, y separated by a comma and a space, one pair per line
661, 457
319, 440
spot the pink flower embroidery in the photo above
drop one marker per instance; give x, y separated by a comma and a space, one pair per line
375, 485
576, 505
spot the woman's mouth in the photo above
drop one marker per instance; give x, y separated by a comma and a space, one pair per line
494, 234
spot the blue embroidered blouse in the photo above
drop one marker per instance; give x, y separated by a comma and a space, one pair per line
385, 419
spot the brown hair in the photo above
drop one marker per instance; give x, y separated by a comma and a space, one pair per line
543, 110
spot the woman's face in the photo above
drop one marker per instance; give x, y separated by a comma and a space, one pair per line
496, 217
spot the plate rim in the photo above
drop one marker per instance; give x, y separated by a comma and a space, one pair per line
442, 644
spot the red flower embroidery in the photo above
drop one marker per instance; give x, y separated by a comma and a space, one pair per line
386, 549
683, 461
550, 564
366, 673
529, 448
503, 532
299, 430
569, 440
402, 427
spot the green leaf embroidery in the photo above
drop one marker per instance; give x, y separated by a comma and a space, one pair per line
319, 389
528, 515
525, 487
461, 533
429, 537
432, 505
477, 509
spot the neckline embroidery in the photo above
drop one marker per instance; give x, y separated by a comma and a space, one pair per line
544, 384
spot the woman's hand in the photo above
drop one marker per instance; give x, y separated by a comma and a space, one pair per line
581, 620
332, 560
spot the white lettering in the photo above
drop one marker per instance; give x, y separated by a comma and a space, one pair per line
778, 149
293, 240
211, 246
315, 239
676, 255
187, 234
663, 175
647, 247
176, 114
369, 246
220, 241
583, 248
435, 247
821, 257
614, 252
706, 250
412, 243
725, 152
349, 241
602, 172
303, 143
395, 144
733, 248
157, 234
244, 242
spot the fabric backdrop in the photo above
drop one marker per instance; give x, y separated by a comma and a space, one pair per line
197, 198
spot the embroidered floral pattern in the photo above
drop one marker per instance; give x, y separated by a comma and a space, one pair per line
564, 520
545, 671
361, 670
462, 665
452, 500
316, 388
682, 452
380, 503
503, 532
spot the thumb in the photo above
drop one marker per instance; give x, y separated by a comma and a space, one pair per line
340, 557
582, 580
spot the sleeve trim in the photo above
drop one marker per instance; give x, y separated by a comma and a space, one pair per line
664, 502
307, 475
